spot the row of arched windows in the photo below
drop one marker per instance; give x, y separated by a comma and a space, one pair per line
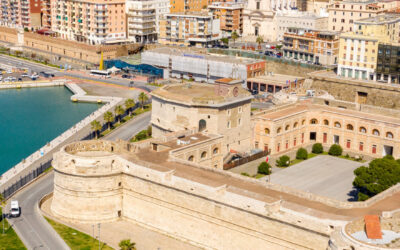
203, 154
336, 125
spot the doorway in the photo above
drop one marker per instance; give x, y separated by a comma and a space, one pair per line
387, 150
336, 139
313, 136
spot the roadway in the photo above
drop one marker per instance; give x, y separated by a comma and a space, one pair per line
31, 227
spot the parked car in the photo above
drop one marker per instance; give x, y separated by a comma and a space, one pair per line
126, 76
15, 210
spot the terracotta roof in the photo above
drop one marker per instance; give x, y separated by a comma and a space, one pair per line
373, 227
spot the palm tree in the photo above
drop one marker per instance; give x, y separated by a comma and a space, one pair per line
129, 104
109, 118
96, 126
127, 245
234, 36
119, 110
143, 98
259, 40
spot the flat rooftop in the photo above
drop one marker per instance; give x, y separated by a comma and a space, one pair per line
198, 93
184, 52
275, 79
380, 19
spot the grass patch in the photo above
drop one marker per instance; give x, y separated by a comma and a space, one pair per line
48, 169
155, 84
9, 240
76, 239
296, 161
254, 109
258, 176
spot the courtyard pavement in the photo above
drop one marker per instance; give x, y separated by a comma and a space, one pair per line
322, 175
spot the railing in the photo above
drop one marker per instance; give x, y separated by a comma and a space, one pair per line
244, 160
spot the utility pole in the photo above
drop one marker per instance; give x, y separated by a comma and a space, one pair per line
99, 234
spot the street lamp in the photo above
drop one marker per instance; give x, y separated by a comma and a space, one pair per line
99, 234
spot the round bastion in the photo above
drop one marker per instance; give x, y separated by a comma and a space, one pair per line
87, 181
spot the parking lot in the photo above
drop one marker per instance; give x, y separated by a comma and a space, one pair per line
323, 175
22, 75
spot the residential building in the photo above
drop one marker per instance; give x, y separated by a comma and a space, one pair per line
298, 19
9, 13
230, 15
299, 125
388, 65
320, 47
141, 19
93, 22
258, 18
187, 64
195, 29
179, 6
46, 13
358, 51
21, 13
343, 14
318, 7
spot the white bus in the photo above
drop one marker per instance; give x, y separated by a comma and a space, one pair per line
103, 73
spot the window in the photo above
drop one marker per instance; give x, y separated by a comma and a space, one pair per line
389, 135
363, 130
361, 147
215, 151
278, 147
314, 121
294, 142
302, 137
257, 5
278, 130
266, 131
229, 112
374, 149
240, 121
295, 124
240, 109
337, 125
303, 122
287, 127
191, 158
375, 132
349, 127
228, 125
326, 122
287, 144
204, 154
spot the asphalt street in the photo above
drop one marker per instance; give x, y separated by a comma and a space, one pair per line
128, 130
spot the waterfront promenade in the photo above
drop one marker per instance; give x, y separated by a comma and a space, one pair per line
24, 171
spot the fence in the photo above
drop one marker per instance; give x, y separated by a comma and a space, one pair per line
143, 69
244, 160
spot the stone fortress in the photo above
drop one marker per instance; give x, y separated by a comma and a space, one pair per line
174, 182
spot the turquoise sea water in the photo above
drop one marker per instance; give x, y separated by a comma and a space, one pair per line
31, 117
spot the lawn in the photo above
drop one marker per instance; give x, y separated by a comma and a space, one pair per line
311, 155
76, 239
9, 240
295, 161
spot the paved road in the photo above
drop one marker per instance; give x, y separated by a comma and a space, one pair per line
34, 231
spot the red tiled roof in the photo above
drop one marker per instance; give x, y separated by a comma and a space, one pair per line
373, 227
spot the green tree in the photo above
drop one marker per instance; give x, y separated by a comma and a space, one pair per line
335, 150
317, 148
259, 40
127, 245
264, 168
18, 53
225, 40
380, 175
283, 161
96, 126
109, 118
26, 29
234, 36
143, 98
129, 104
301, 154
119, 111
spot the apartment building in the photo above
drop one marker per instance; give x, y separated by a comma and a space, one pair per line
358, 51
320, 47
343, 14
46, 13
20, 13
298, 19
93, 22
230, 15
178, 6
190, 28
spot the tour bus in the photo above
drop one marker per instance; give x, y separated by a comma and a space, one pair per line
103, 73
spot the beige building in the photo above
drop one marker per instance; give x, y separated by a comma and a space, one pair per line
93, 22
222, 108
359, 133
189, 28
230, 15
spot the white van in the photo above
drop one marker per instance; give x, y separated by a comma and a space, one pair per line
15, 211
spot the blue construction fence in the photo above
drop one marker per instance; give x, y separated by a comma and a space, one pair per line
143, 69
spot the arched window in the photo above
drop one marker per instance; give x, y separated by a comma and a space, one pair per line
363, 130
278, 130
337, 125
326, 122
314, 121
349, 127
375, 132
266, 131
287, 127
303, 122
204, 154
215, 151
389, 135
191, 158
295, 125
202, 125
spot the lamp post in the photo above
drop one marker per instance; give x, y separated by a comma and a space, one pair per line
99, 234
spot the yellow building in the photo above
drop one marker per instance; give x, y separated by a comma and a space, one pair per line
191, 28
187, 5
358, 50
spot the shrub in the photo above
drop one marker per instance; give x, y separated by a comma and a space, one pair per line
335, 150
264, 168
317, 148
283, 161
301, 154
245, 174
